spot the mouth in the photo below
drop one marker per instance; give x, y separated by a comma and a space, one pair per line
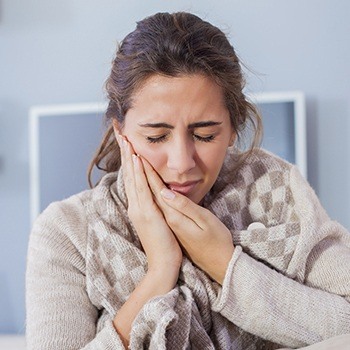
184, 188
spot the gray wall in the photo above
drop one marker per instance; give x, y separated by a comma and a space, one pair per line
59, 52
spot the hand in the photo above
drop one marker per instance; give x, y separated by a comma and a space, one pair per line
205, 239
163, 252
158, 241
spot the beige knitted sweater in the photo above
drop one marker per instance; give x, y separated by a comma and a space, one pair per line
287, 284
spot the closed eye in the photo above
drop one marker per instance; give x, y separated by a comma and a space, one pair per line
163, 138
157, 139
204, 138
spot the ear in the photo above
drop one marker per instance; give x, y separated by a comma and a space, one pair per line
232, 139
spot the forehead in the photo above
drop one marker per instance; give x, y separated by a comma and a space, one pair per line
161, 84
189, 96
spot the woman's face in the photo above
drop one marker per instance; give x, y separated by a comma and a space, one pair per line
182, 127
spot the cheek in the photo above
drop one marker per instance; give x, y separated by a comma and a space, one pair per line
213, 158
154, 155
155, 158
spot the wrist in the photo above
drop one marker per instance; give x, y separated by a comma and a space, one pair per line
165, 275
166, 262
217, 270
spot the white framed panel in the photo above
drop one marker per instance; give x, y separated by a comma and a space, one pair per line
63, 139
284, 121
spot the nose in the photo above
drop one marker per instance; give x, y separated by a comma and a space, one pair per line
181, 157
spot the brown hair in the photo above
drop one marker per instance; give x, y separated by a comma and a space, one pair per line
173, 45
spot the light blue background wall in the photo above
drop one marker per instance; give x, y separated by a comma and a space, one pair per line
59, 52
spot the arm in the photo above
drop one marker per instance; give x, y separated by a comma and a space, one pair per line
311, 305
274, 307
155, 283
60, 314
163, 253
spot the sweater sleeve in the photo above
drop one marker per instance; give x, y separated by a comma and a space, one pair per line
307, 303
60, 314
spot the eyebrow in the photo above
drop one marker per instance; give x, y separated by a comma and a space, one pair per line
191, 126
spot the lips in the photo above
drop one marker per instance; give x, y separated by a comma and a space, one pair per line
184, 188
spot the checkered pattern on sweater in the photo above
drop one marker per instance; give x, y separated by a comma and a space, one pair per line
258, 192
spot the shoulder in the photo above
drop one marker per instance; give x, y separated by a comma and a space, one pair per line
274, 172
276, 190
62, 226
70, 211
262, 162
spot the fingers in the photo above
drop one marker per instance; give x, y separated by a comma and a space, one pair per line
173, 204
135, 181
155, 182
185, 206
128, 168
142, 188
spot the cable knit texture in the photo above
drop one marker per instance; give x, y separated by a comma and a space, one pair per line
287, 284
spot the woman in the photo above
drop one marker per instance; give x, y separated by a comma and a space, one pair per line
186, 242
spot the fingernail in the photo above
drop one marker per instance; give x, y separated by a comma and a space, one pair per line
125, 143
167, 194
135, 160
